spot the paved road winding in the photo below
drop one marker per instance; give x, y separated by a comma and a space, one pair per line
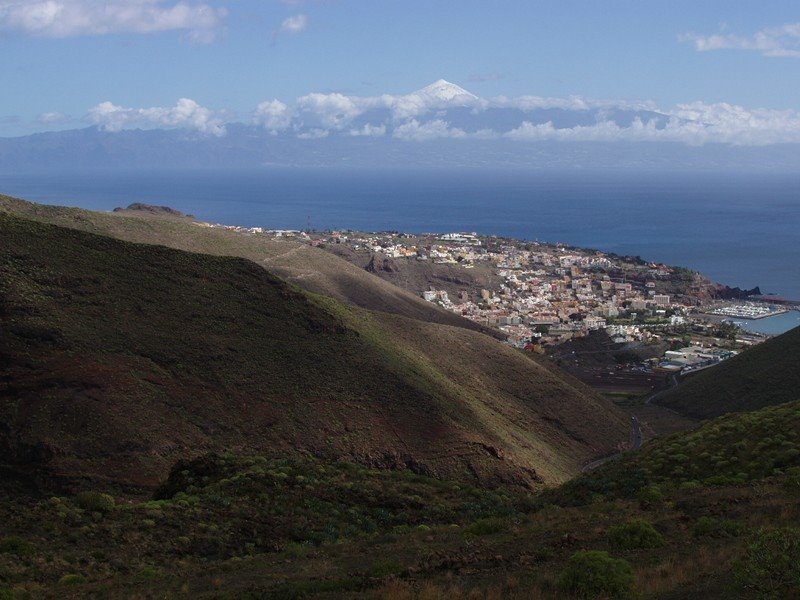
673, 382
637, 439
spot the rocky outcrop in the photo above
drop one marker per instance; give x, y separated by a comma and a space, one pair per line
735, 293
154, 210
377, 264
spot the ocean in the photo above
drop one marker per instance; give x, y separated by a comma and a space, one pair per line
739, 229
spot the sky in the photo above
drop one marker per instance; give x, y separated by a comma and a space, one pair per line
199, 64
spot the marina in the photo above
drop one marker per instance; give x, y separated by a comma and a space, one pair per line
749, 310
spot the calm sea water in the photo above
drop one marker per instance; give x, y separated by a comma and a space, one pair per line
771, 325
742, 230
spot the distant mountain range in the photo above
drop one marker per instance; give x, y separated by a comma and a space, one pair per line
439, 125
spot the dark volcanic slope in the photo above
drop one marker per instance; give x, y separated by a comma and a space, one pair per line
765, 375
118, 358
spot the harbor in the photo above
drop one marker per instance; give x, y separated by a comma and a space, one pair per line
749, 310
771, 325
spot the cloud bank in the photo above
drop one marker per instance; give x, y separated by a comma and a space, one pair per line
186, 114
446, 111
68, 18
693, 124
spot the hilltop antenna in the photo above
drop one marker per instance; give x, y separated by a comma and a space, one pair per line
308, 224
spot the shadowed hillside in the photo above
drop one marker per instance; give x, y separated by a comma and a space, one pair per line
119, 359
310, 268
761, 376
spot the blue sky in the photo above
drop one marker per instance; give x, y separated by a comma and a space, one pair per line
60, 58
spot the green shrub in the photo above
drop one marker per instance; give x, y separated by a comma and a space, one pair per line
296, 550
792, 481
15, 545
486, 527
635, 535
592, 574
72, 579
649, 496
771, 565
715, 527
95, 502
6, 593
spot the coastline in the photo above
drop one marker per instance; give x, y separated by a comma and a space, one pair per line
740, 233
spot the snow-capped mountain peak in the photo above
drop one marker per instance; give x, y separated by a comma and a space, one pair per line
444, 91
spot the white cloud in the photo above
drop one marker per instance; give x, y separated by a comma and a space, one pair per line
186, 114
530, 103
604, 131
294, 24
423, 132
49, 118
693, 124
369, 131
275, 115
314, 134
782, 41
68, 18
333, 110
732, 124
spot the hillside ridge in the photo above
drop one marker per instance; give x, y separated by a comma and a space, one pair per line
122, 358
310, 268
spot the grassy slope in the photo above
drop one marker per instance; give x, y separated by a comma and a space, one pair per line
120, 358
765, 375
310, 268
